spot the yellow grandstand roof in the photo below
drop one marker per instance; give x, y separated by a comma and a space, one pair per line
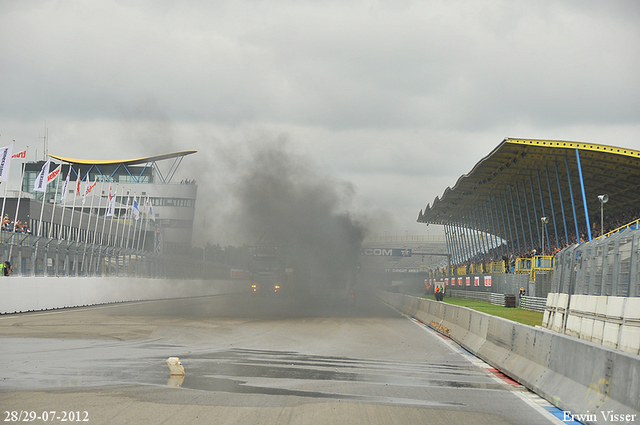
134, 161
522, 175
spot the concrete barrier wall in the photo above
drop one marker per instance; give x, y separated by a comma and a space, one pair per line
573, 374
20, 294
610, 321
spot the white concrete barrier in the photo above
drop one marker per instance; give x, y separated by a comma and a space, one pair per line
573, 374
610, 321
21, 294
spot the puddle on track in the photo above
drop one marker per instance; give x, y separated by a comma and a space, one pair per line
285, 373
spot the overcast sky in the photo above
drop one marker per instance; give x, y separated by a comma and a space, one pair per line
396, 98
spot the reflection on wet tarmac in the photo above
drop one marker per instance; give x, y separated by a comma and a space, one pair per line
175, 380
294, 374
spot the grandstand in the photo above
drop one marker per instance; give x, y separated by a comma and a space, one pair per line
559, 218
532, 198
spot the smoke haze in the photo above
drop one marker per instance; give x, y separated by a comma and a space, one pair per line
260, 192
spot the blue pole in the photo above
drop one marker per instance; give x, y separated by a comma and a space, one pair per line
584, 196
526, 202
483, 233
496, 230
449, 238
506, 207
461, 241
491, 228
544, 214
472, 239
515, 222
504, 226
564, 220
553, 212
524, 234
573, 205
535, 211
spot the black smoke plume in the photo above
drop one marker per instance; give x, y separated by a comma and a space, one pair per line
282, 200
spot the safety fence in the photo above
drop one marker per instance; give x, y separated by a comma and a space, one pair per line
608, 266
34, 256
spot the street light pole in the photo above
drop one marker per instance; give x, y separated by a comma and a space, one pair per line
544, 221
603, 200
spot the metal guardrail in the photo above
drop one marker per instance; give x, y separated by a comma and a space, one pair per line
533, 303
497, 267
527, 303
489, 297
633, 226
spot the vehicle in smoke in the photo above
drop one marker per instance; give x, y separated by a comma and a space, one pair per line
268, 271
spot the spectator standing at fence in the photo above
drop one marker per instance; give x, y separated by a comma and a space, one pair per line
6, 268
521, 295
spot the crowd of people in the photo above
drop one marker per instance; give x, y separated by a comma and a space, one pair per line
17, 225
481, 262
187, 181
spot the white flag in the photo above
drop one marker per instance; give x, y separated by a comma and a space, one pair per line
5, 160
136, 211
41, 182
152, 215
112, 204
66, 184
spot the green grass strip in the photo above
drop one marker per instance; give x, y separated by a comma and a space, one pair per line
527, 317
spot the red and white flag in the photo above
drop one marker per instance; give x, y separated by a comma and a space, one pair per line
88, 189
78, 185
20, 155
52, 175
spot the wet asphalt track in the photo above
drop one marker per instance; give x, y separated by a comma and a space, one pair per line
249, 360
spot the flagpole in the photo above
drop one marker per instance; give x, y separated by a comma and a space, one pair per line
148, 211
64, 209
63, 196
45, 177
115, 197
86, 239
129, 231
75, 266
4, 199
95, 229
115, 239
55, 197
17, 209
126, 212
73, 208
104, 225
136, 219
140, 230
